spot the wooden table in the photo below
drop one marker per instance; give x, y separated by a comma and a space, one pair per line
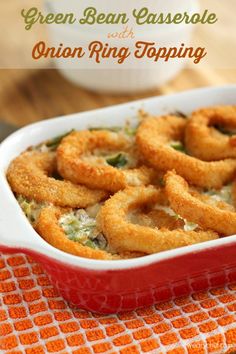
31, 95
27, 95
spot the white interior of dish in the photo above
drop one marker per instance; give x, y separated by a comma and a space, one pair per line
15, 230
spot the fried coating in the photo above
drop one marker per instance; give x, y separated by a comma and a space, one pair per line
154, 137
48, 227
78, 162
30, 175
197, 208
122, 234
202, 138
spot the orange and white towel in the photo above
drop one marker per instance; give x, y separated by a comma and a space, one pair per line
34, 319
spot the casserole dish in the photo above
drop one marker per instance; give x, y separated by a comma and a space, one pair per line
112, 286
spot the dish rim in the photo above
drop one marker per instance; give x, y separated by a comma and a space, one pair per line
49, 251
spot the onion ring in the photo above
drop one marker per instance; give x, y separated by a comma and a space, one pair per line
197, 209
29, 175
153, 137
204, 141
124, 235
48, 227
77, 163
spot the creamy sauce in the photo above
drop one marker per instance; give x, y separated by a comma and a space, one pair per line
177, 145
31, 208
188, 225
93, 210
145, 220
80, 227
128, 130
118, 159
222, 195
52, 144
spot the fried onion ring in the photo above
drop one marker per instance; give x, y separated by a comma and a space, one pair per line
48, 227
204, 141
78, 163
123, 235
153, 138
29, 175
196, 208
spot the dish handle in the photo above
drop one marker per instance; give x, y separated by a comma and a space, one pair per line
15, 241
16, 233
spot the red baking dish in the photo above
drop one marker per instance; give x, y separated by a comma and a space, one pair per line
112, 286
